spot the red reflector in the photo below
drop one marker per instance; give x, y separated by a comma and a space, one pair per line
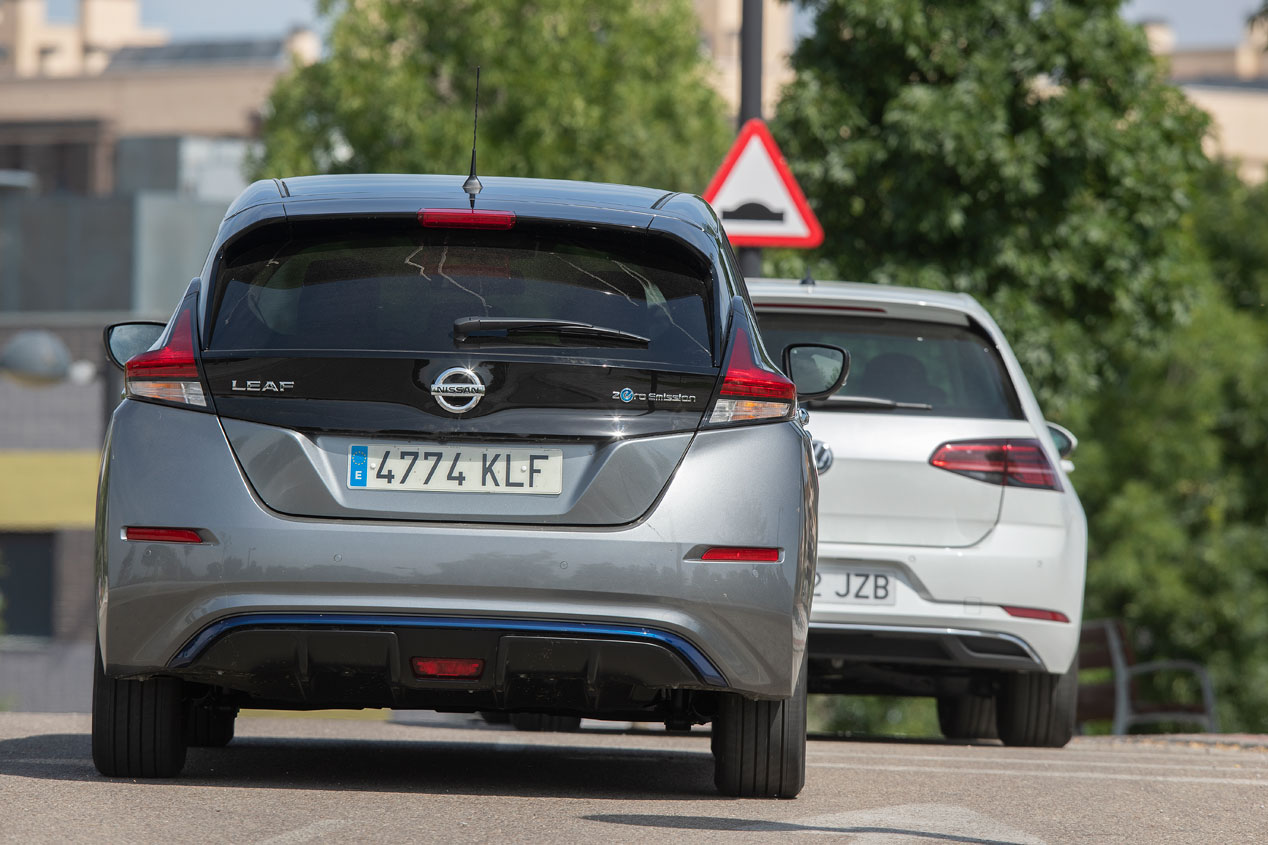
1035, 613
161, 535
739, 553
452, 218
1012, 463
175, 360
465, 668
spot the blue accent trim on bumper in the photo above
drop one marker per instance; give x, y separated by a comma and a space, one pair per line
694, 656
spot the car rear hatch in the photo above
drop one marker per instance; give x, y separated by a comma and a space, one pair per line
915, 384
452, 365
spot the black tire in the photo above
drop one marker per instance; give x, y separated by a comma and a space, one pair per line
138, 727
210, 727
544, 722
759, 747
967, 716
1036, 709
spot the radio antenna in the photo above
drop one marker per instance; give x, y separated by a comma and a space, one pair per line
472, 186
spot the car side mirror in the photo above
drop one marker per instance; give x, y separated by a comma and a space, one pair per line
127, 340
817, 369
1063, 439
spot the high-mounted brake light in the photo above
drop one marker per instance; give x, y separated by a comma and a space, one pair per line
455, 218
139, 534
738, 554
449, 668
1036, 613
169, 373
751, 392
1016, 462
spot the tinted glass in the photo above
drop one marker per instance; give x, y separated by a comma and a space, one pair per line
400, 287
953, 369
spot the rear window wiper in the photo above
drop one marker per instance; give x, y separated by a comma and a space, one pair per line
870, 402
501, 329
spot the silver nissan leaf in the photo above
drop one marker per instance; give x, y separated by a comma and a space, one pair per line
403, 447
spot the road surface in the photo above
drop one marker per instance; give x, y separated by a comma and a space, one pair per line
285, 781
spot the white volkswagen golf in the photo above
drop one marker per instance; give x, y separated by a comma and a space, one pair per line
952, 546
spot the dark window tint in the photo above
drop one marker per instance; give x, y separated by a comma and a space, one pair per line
953, 369
400, 287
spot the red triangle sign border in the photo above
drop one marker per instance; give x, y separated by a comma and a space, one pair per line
757, 126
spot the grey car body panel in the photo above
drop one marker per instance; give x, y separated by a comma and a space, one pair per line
169, 466
604, 484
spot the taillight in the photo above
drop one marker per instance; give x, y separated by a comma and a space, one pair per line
169, 373
454, 218
1010, 462
750, 392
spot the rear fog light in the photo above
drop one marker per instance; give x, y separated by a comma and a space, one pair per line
452, 668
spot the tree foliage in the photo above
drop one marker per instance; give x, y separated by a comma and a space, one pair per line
568, 89
1032, 154
1029, 153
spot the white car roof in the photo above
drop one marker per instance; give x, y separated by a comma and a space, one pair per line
903, 302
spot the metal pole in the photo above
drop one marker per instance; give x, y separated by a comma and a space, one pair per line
750, 100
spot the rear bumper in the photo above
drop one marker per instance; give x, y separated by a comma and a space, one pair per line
949, 606
171, 609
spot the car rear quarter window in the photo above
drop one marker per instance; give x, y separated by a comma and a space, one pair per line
955, 370
397, 287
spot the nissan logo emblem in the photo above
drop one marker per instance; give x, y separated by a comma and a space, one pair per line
457, 389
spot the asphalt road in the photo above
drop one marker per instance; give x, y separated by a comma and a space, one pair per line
289, 780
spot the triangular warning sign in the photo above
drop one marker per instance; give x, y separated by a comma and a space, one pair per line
757, 197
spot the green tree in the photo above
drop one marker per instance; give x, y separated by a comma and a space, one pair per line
1029, 153
569, 89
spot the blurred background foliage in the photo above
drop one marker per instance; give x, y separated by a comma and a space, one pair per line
1029, 153
569, 89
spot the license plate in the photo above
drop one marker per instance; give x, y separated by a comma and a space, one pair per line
856, 586
455, 469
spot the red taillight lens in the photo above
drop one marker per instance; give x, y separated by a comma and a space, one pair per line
169, 373
451, 218
1036, 613
138, 534
1009, 462
459, 668
742, 554
751, 392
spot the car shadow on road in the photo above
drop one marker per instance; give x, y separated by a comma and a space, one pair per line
422, 767
665, 822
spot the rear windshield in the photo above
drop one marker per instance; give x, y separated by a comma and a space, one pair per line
953, 370
400, 287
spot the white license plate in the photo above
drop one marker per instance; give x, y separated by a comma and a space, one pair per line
455, 469
856, 586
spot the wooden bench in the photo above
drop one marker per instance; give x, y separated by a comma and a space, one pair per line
1104, 644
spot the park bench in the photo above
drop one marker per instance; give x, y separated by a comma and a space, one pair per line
1104, 644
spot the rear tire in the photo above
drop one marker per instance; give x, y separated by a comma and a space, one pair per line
210, 727
967, 716
1037, 710
545, 722
138, 727
759, 747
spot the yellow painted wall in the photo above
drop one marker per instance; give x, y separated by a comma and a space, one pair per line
45, 490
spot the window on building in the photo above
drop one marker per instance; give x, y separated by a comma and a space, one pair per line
26, 584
